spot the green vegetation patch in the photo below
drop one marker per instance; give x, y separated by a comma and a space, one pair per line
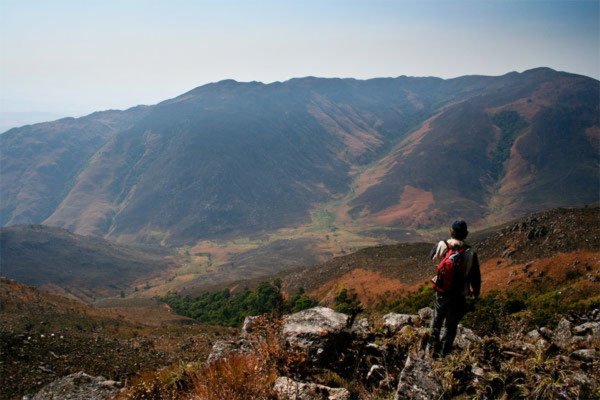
511, 125
226, 309
409, 304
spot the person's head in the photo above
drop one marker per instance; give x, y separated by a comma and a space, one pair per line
459, 230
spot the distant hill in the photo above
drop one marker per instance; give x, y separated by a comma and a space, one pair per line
385, 159
84, 267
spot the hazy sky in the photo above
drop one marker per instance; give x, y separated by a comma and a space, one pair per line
75, 57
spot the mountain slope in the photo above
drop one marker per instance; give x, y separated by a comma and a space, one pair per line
529, 145
80, 266
41, 162
379, 159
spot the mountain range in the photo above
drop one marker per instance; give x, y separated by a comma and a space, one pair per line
331, 165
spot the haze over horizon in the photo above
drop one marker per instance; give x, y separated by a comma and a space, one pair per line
70, 58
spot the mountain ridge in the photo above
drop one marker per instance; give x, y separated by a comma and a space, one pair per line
230, 160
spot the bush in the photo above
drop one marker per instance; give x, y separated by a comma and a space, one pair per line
224, 308
347, 302
410, 303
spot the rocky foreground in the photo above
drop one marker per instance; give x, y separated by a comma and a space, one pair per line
322, 354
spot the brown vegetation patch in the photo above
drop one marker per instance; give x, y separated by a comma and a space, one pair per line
500, 274
412, 207
367, 284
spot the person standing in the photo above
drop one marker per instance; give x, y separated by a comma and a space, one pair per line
458, 277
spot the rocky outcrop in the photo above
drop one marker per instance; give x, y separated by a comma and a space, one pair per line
221, 350
392, 323
417, 381
587, 355
288, 389
426, 315
361, 328
562, 334
588, 328
79, 386
466, 337
318, 330
249, 324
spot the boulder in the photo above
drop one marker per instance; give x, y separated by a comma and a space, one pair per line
465, 337
249, 324
562, 334
426, 315
361, 328
581, 378
589, 328
580, 341
546, 333
417, 381
320, 330
392, 323
223, 349
534, 334
79, 386
588, 355
291, 390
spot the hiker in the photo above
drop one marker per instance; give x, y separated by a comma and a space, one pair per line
458, 276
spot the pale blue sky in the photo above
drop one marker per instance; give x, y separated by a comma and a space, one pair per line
75, 57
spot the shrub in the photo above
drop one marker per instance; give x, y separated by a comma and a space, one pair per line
224, 308
410, 303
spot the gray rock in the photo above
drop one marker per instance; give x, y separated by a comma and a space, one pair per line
317, 330
79, 386
417, 381
582, 379
534, 334
466, 337
580, 341
361, 328
392, 323
589, 328
249, 324
546, 333
562, 334
221, 350
542, 343
584, 355
291, 390
426, 315
315, 321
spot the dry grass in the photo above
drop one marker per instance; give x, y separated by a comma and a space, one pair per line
239, 377
236, 377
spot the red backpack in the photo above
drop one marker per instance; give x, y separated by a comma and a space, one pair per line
451, 271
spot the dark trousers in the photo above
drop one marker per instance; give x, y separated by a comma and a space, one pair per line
449, 308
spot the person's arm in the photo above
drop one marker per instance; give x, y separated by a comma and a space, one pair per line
475, 276
433, 251
438, 251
